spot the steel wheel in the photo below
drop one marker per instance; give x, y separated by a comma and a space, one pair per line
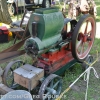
83, 37
8, 77
51, 87
89, 60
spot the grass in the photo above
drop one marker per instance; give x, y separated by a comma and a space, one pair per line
72, 73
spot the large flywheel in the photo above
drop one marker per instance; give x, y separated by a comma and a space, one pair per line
83, 37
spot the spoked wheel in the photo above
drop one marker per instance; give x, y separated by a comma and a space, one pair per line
8, 76
50, 88
87, 62
83, 37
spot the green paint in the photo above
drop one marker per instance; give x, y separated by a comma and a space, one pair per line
46, 10
49, 24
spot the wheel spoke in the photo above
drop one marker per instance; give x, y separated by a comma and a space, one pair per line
86, 27
87, 44
48, 89
90, 30
56, 84
51, 84
82, 49
78, 44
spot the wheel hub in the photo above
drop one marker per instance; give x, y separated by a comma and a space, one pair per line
84, 37
52, 91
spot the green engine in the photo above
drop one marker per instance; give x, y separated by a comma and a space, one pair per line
45, 26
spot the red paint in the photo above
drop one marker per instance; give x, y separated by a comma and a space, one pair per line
52, 61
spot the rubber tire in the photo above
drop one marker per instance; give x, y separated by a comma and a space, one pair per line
75, 34
44, 4
10, 7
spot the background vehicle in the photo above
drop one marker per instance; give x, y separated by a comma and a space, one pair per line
13, 4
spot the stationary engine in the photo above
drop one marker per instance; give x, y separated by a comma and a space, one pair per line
56, 40
56, 44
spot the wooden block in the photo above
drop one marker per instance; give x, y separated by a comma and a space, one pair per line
4, 89
28, 76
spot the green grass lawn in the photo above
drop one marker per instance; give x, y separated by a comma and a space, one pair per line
72, 73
